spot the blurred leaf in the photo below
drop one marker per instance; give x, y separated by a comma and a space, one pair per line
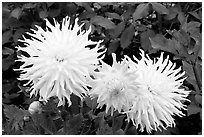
127, 36
86, 5
29, 6
96, 5
13, 23
158, 7
18, 34
30, 129
91, 103
168, 131
16, 13
181, 17
198, 99
7, 62
43, 14
6, 87
53, 12
7, 51
113, 15
132, 131
193, 109
103, 22
119, 132
118, 122
195, 15
144, 37
113, 46
45, 121
6, 36
141, 11
73, 125
16, 115
50, 106
49, 4
104, 128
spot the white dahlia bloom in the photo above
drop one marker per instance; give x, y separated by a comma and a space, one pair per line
59, 60
160, 94
114, 86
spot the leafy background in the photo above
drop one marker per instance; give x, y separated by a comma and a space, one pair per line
173, 28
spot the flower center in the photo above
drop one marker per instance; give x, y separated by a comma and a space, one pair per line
151, 91
59, 59
115, 87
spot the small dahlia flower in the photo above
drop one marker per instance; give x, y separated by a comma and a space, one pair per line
159, 95
59, 60
114, 86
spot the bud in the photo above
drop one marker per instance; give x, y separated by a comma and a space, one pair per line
35, 107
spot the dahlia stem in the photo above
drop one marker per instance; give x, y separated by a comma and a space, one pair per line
126, 127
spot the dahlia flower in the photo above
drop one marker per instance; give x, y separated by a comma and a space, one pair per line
114, 86
59, 60
160, 94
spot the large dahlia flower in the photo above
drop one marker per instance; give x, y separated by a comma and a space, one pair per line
160, 94
114, 86
59, 60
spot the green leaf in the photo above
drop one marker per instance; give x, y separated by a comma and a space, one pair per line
113, 46
103, 22
158, 7
144, 37
160, 42
141, 11
113, 15
117, 31
16, 115
91, 103
6, 36
127, 36
16, 13
191, 27
172, 13
45, 121
188, 68
73, 125
193, 109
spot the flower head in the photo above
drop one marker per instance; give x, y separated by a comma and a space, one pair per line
35, 107
59, 60
114, 85
159, 94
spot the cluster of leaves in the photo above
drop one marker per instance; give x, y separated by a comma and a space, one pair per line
173, 28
